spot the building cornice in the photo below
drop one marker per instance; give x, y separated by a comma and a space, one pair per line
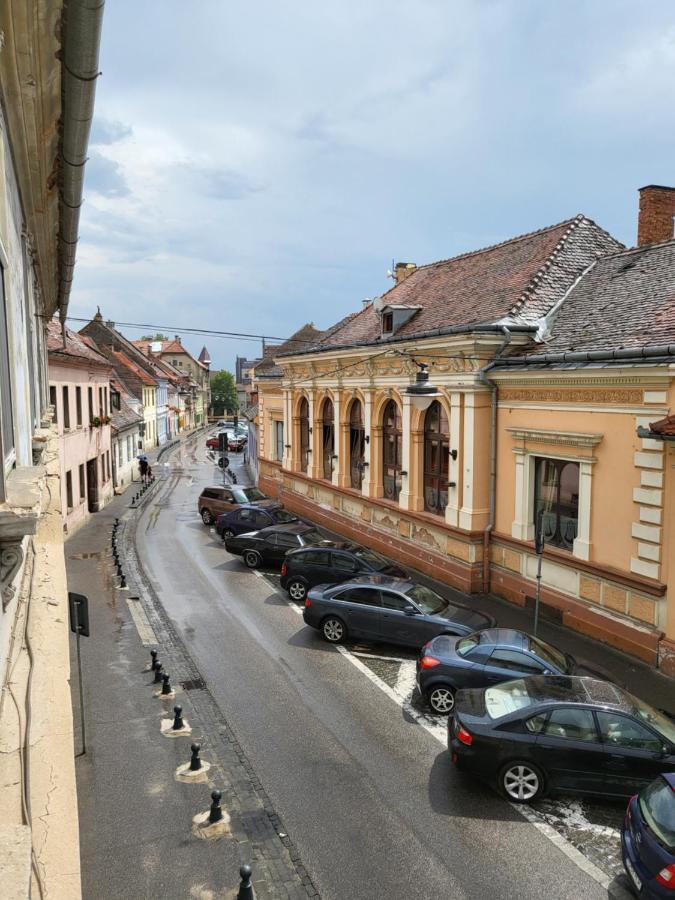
562, 438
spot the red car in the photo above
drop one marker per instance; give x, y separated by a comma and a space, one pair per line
236, 443
213, 443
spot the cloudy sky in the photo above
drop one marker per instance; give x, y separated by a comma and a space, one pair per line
254, 166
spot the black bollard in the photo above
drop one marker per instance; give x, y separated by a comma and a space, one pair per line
117, 522
158, 673
215, 813
119, 570
166, 684
123, 581
195, 761
153, 664
177, 718
245, 888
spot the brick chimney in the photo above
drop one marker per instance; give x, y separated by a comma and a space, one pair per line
657, 209
403, 270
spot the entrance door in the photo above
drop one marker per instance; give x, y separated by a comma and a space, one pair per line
92, 486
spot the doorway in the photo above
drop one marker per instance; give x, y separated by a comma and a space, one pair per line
92, 486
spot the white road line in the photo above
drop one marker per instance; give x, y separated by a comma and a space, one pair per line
395, 659
405, 683
143, 626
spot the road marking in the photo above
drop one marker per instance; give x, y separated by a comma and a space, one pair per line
259, 574
395, 659
405, 683
143, 626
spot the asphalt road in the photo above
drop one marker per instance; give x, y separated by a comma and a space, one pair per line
369, 797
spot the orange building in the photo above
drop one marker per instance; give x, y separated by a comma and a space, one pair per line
549, 358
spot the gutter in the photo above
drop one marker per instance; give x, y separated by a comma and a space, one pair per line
492, 386
81, 39
625, 354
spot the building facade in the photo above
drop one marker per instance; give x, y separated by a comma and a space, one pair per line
127, 443
517, 432
79, 386
196, 370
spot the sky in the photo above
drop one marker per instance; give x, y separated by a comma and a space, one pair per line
256, 166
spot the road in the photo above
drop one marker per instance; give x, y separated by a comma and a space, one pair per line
369, 797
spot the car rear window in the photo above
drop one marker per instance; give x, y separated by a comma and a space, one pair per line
506, 698
552, 657
657, 805
248, 495
427, 600
377, 562
283, 517
311, 537
467, 644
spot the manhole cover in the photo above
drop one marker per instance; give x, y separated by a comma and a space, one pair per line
194, 684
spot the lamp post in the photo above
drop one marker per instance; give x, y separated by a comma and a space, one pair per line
421, 393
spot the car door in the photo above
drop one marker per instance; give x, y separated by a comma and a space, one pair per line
343, 567
505, 664
568, 749
360, 609
634, 753
223, 502
244, 520
399, 626
278, 546
261, 518
314, 566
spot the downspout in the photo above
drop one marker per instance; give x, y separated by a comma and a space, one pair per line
482, 376
81, 39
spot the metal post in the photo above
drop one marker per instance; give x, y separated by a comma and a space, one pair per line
539, 549
79, 675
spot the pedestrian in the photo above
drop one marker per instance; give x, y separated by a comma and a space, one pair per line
143, 466
149, 473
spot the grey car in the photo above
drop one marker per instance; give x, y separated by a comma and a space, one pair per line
381, 608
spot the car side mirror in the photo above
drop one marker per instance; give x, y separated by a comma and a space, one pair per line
409, 610
665, 751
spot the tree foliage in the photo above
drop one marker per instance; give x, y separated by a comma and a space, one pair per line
155, 337
223, 393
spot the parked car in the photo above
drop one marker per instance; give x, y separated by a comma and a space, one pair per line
447, 664
213, 443
648, 839
560, 733
304, 569
380, 608
216, 500
270, 545
253, 518
236, 442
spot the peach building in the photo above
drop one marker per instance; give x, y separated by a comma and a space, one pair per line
79, 385
549, 360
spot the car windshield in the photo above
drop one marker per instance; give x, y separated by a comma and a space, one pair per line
374, 560
427, 600
664, 725
283, 517
552, 657
657, 805
506, 698
467, 644
248, 495
311, 537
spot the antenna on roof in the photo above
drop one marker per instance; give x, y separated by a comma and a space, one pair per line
391, 273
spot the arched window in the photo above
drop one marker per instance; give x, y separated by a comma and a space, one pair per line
436, 459
391, 451
356, 444
328, 422
304, 434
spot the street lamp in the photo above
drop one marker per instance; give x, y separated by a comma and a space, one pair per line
421, 393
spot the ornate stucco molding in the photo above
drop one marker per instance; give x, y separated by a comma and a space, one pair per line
573, 395
11, 557
562, 438
19, 517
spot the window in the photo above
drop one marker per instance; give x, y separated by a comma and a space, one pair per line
536, 723
620, 731
52, 402
356, 444
107, 460
101, 407
69, 490
511, 659
246, 516
328, 433
394, 601
344, 563
129, 447
572, 725
436, 459
391, 451
283, 541
304, 434
105, 401
6, 411
278, 440
102, 467
658, 809
387, 323
66, 406
115, 401
314, 558
78, 405
556, 500
363, 596
80, 473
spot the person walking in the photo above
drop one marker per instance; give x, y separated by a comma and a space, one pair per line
143, 466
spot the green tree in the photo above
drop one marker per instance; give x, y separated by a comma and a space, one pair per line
155, 337
223, 393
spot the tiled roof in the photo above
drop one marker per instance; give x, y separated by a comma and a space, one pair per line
125, 417
173, 346
140, 373
626, 300
522, 277
664, 426
303, 339
77, 348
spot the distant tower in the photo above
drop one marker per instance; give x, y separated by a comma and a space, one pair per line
204, 357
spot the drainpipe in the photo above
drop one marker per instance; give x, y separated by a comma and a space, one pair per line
81, 38
482, 375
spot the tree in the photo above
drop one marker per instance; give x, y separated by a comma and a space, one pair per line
155, 337
223, 393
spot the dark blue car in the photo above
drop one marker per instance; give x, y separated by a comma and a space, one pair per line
648, 839
250, 517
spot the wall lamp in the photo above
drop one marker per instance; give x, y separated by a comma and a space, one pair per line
310, 429
367, 438
453, 454
421, 393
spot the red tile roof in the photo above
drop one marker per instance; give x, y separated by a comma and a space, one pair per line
77, 348
167, 347
124, 360
664, 426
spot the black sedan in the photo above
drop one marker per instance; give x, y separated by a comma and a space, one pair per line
447, 664
559, 733
379, 608
270, 545
253, 518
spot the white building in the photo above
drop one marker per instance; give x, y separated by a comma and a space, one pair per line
127, 443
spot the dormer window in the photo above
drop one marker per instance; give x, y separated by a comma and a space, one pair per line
394, 317
387, 323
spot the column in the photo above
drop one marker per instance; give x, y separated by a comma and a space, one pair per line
287, 399
473, 515
315, 463
582, 543
404, 498
366, 484
338, 438
455, 472
523, 522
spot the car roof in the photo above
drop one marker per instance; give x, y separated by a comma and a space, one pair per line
504, 637
384, 581
217, 487
270, 507
579, 689
292, 527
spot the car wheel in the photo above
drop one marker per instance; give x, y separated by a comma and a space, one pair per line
334, 630
227, 533
207, 518
251, 558
297, 590
521, 782
441, 698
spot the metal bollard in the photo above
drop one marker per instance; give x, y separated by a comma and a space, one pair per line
158, 673
123, 581
166, 684
117, 522
195, 761
215, 813
245, 888
153, 664
177, 718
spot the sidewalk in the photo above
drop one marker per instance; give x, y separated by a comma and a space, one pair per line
136, 826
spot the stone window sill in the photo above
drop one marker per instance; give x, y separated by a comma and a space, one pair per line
19, 516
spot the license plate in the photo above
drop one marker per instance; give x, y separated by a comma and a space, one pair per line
633, 874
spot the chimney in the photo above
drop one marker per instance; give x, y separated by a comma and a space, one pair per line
177, 337
657, 209
403, 270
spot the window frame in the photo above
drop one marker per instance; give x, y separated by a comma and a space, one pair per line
392, 463
303, 415
435, 478
327, 438
557, 510
357, 444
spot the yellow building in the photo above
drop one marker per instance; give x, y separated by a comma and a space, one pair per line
545, 356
